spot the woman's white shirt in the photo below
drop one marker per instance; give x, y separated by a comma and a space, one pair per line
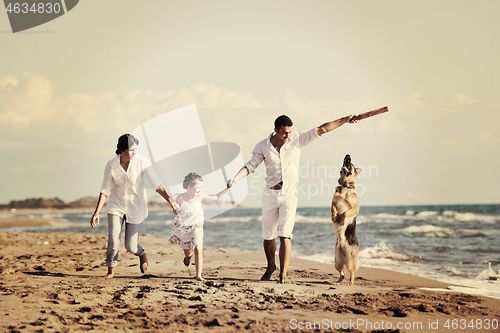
126, 190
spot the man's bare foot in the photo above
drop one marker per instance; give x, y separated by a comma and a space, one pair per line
187, 260
269, 271
283, 279
199, 278
144, 263
111, 273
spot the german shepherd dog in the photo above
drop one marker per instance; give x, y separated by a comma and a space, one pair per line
345, 208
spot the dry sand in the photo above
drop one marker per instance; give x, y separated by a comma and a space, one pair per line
52, 282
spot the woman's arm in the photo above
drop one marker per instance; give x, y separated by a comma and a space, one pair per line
94, 220
161, 191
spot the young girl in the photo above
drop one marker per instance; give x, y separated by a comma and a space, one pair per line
187, 231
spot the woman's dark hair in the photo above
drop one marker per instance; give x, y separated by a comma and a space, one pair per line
125, 142
282, 121
191, 179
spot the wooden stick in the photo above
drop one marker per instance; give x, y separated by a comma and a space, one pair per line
371, 113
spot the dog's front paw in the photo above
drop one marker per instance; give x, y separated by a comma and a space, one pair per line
334, 213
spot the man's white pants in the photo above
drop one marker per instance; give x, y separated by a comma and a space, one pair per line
278, 214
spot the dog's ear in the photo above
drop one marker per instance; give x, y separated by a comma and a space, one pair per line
358, 171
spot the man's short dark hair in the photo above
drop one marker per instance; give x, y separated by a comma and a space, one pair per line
282, 121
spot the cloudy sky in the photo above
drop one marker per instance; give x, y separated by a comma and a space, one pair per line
70, 87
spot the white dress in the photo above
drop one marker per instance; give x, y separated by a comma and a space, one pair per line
187, 230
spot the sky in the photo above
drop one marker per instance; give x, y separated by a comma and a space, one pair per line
69, 88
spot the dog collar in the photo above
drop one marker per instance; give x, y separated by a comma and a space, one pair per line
350, 187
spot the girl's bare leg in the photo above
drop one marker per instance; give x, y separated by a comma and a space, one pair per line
198, 260
188, 253
111, 273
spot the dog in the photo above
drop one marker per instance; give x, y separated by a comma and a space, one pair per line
345, 209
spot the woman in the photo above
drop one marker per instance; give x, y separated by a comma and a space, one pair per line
123, 183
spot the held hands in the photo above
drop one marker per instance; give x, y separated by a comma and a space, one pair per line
230, 183
351, 119
176, 208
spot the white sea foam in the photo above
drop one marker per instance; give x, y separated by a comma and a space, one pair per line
385, 216
476, 291
429, 230
477, 285
326, 258
387, 256
427, 213
483, 284
428, 216
469, 217
384, 252
453, 271
468, 290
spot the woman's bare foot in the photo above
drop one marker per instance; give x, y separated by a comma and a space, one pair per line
111, 273
269, 271
283, 279
143, 263
199, 278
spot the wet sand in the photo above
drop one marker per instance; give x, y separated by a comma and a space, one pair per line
53, 282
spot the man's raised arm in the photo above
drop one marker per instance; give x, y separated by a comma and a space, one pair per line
331, 125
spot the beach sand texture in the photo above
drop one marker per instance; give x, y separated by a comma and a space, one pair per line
52, 282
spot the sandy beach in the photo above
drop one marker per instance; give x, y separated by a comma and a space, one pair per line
52, 282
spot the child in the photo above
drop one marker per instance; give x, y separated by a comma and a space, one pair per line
187, 231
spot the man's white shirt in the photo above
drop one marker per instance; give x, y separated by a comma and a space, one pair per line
282, 166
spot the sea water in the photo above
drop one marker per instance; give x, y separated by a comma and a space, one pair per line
457, 244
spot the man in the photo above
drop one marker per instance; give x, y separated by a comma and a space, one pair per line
281, 154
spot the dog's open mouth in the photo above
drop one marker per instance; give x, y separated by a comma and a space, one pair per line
346, 167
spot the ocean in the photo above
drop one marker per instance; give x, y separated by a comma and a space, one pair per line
457, 244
